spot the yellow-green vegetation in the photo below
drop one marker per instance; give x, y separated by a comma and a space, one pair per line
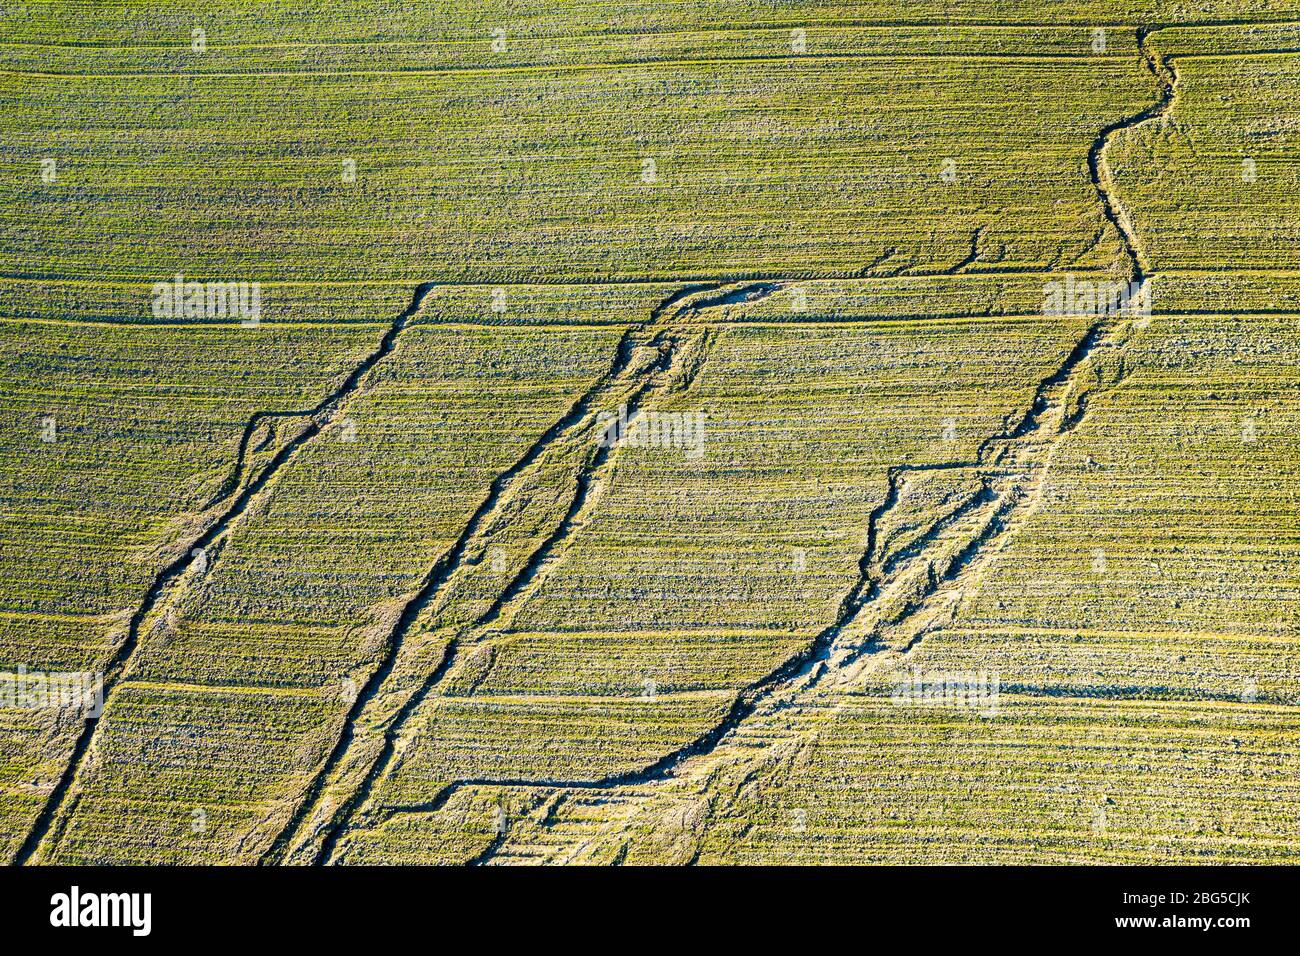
1228, 150
677, 434
681, 170
801, 426
1125, 583
1143, 643
298, 600
1044, 781
123, 446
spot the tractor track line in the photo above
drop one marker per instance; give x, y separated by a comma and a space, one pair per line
922, 23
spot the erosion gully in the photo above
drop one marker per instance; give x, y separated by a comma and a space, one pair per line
235, 501
654, 358
648, 364
1009, 469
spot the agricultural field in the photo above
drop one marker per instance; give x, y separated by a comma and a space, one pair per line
738, 432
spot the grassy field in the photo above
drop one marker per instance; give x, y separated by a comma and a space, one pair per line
635, 426
677, 170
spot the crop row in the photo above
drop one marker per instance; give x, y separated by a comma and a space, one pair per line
668, 171
301, 594
1044, 781
322, 22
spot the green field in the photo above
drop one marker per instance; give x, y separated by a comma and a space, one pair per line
659, 435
